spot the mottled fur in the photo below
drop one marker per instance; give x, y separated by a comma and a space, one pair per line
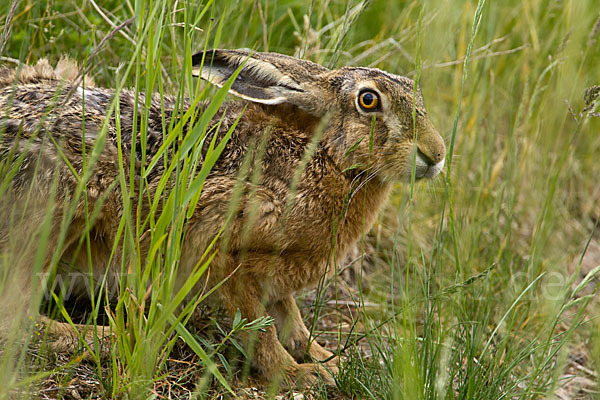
276, 247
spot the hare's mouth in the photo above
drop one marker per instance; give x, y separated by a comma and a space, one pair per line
425, 168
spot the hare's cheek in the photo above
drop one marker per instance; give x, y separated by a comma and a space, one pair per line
398, 161
382, 136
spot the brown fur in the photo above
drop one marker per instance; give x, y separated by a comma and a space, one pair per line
280, 241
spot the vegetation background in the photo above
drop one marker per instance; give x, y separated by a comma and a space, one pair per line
478, 285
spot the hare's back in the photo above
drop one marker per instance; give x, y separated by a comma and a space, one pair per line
45, 128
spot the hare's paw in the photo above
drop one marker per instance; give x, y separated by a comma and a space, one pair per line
319, 353
61, 337
332, 365
306, 375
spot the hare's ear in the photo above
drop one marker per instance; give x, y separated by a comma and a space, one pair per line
265, 78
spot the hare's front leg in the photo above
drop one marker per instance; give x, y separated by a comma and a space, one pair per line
295, 336
242, 292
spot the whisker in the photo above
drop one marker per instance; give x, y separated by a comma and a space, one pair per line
369, 177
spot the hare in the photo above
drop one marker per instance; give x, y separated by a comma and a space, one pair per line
366, 126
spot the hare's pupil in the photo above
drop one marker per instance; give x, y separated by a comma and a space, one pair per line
368, 99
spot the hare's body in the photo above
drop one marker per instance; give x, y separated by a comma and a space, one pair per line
288, 229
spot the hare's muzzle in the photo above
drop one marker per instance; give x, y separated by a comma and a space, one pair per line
425, 167
431, 152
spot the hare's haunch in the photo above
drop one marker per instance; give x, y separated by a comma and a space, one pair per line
310, 163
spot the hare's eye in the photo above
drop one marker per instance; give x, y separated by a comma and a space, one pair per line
368, 100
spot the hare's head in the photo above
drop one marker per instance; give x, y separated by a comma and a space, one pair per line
375, 121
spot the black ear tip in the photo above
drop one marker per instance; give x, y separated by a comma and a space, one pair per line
197, 58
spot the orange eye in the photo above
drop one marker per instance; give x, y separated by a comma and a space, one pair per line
368, 100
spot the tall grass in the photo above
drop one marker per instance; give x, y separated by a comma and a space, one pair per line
474, 283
